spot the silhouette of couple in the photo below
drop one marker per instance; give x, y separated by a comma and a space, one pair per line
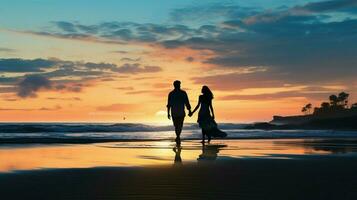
178, 99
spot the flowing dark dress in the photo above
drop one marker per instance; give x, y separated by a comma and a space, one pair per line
205, 120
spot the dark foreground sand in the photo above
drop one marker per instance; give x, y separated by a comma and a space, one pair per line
304, 177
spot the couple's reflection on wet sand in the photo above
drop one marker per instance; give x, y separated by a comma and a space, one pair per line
209, 153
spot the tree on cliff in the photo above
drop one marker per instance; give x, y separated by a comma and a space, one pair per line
343, 99
339, 101
337, 104
307, 109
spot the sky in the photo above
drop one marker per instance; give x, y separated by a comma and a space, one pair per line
115, 61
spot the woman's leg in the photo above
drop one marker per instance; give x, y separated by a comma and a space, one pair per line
209, 138
203, 136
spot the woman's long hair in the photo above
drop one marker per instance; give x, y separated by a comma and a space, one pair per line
207, 92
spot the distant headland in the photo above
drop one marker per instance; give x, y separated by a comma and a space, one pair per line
337, 114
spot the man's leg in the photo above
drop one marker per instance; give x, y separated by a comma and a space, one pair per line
178, 123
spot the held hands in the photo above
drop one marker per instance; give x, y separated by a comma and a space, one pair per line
190, 113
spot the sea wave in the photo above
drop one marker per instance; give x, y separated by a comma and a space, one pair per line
20, 133
99, 128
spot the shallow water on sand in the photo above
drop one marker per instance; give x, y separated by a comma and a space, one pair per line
149, 153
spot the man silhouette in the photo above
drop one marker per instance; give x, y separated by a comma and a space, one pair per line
177, 101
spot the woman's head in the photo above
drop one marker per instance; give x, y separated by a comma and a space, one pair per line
207, 92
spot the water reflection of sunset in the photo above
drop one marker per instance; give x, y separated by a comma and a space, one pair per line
126, 154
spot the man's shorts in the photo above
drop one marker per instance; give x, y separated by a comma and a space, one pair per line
178, 121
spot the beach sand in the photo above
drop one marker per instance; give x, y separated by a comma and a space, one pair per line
225, 169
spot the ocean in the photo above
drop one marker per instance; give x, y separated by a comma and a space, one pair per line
99, 132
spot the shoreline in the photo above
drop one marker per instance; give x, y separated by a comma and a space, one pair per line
14, 141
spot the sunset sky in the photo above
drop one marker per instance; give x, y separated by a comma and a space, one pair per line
103, 61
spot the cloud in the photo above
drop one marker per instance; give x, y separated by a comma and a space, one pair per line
267, 79
120, 52
140, 92
24, 65
309, 11
116, 32
119, 107
136, 68
210, 12
31, 84
65, 99
157, 93
332, 5
32, 109
7, 89
294, 44
125, 88
130, 59
66, 26
10, 99
279, 96
58, 107
238, 81
162, 85
55, 68
7, 50
31, 76
190, 59
107, 79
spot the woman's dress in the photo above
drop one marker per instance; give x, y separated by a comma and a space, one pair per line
205, 120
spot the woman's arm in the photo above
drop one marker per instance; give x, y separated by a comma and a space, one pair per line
198, 105
211, 107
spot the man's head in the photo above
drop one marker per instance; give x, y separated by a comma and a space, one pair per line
177, 84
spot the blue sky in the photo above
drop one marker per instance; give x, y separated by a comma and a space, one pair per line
25, 14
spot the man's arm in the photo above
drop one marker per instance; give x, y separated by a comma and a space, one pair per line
187, 103
168, 107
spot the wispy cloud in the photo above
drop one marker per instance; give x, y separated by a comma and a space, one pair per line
120, 107
58, 107
7, 50
316, 93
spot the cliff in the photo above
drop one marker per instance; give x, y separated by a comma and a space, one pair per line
346, 120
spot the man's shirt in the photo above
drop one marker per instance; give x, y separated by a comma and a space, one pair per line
177, 101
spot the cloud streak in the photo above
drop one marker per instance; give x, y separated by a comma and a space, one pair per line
31, 76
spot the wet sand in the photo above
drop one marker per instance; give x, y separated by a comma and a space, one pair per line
249, 169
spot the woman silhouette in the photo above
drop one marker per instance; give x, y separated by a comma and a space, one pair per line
205, 119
